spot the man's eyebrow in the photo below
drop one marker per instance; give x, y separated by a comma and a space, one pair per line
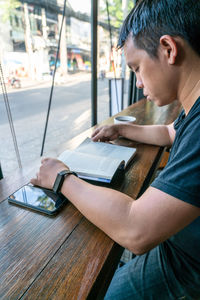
131, 67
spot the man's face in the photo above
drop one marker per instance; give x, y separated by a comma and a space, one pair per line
154, 75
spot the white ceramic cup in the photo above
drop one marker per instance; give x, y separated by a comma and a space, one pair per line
124, 119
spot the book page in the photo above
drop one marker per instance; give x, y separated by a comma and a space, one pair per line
106, 150
88, 165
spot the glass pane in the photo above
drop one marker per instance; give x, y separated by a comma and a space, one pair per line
28, 55
111, 62
29, 40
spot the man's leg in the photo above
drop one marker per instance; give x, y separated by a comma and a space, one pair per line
141, 279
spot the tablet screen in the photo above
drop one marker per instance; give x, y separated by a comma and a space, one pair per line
35, 197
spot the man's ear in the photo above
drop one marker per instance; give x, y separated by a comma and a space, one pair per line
169, 45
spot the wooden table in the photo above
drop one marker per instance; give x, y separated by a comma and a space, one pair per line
67, 257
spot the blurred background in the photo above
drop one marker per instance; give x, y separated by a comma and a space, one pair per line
29, 37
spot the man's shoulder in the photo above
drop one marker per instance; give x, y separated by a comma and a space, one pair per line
194, 113
188, 127
181, 176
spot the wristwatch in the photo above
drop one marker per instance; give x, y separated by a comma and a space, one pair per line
60, 179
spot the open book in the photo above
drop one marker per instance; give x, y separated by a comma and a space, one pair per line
97, 161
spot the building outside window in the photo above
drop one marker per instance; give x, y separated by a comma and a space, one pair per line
29, 39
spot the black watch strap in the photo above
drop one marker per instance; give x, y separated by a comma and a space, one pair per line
60, 179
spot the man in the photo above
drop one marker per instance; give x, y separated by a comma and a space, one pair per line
161, 40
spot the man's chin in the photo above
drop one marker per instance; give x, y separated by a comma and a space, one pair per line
157, 102
149, 99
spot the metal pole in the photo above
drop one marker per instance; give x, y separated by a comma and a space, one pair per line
125, 12
53, 80
132, 91
94, 12
1, 174
130, 88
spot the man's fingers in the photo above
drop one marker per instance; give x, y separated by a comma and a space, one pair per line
96, 138
95, 132
44, 159
33, 181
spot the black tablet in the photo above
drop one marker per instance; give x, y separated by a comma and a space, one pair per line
37, 198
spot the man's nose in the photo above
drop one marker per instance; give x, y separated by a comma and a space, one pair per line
139, 84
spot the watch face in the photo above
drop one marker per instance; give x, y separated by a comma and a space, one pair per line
58, 183
60, 179
63, 172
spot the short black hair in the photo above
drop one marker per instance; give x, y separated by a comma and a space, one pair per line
150, 19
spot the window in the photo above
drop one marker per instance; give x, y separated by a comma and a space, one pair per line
28, 61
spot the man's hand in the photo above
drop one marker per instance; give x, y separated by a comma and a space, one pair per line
48, 172
106, 133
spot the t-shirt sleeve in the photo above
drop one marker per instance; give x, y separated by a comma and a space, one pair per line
181, 176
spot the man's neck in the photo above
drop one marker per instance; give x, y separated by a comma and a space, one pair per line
191, 85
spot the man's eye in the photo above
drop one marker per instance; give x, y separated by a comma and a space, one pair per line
137, 70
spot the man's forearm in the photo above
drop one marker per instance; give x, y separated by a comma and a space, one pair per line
106, 208
149, 134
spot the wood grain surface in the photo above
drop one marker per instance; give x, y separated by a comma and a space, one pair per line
65, 256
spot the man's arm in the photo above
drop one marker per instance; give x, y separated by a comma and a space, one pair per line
137, 225
161, 135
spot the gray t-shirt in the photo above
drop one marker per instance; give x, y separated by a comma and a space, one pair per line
180, 255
